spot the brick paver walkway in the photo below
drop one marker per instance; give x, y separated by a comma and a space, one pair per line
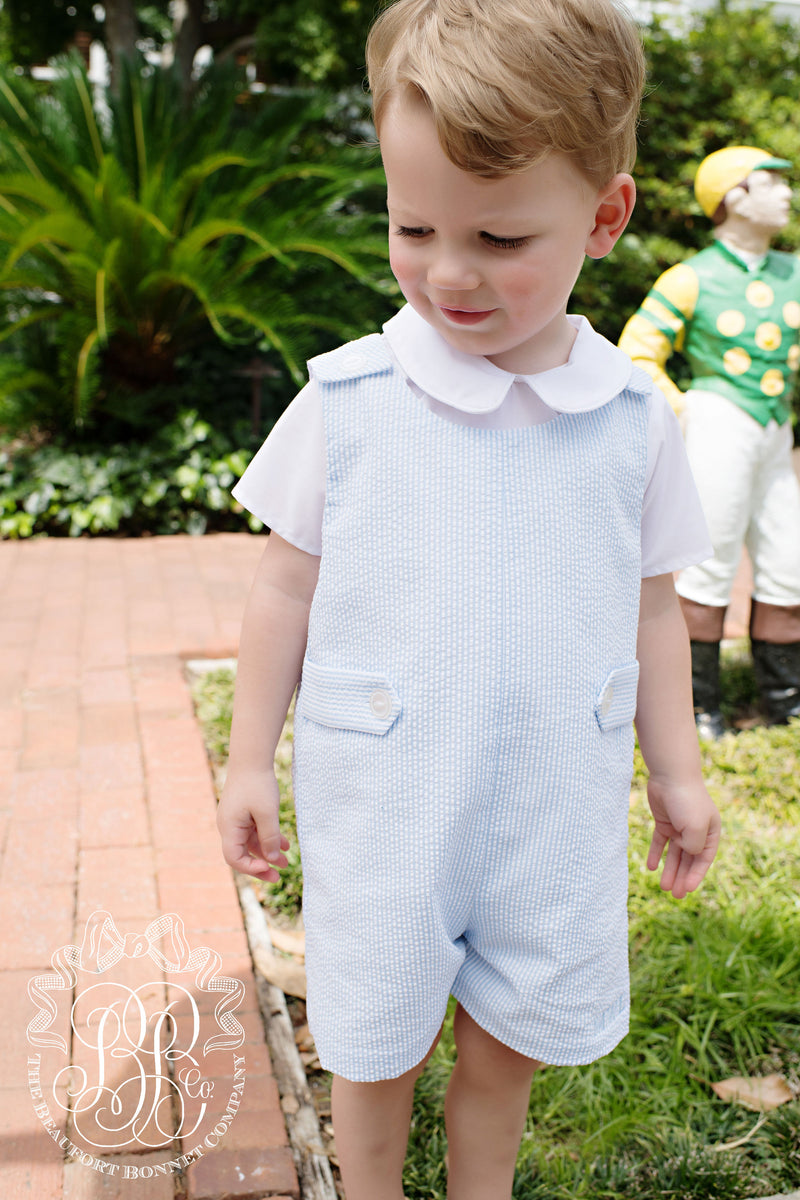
106, 803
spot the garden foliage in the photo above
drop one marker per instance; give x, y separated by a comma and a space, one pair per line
148, 252
135, 234
177, 481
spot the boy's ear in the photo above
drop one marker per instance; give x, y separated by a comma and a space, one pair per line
615, 204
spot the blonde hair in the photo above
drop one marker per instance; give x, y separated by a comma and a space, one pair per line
508, 81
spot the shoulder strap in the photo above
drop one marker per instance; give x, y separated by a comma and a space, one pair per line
355, 360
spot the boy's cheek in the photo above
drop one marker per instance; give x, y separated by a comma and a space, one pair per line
400, 264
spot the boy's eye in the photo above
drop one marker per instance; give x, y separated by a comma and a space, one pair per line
505, 243
491, 239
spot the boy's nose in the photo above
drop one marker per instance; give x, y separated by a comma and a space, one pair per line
452, 273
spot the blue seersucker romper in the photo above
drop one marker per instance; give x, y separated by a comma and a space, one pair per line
463, 733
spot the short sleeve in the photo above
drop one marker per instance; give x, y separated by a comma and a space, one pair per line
284, 485
674, 532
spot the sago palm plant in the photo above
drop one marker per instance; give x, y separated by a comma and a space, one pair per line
132, 233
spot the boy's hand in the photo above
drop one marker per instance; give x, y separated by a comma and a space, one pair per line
248, 824
687, 821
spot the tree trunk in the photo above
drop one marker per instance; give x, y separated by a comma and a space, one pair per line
188, 19
122, 30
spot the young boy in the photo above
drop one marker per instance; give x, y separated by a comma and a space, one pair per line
475, 517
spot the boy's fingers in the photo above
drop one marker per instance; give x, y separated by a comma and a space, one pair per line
272, 847
694, 841
255, 862
701, 863
694, 875
657, 844
691, 872
247, 853
679, 883
234, 847
242, 858
671, 867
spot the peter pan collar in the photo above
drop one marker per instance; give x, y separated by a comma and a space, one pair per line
595, 372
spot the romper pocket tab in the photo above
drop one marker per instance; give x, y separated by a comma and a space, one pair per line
616, 704
344, 699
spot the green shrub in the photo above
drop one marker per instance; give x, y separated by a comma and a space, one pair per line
131, 239
140, 253
178, 482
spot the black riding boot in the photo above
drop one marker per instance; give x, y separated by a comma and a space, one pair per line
706, 690
777, 670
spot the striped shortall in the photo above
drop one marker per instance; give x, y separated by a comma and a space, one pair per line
463, 728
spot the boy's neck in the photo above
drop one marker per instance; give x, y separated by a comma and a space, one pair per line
551, 351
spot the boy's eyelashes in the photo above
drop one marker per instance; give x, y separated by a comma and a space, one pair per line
491, 239
506, 243
407, 231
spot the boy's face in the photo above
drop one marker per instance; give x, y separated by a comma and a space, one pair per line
489, 263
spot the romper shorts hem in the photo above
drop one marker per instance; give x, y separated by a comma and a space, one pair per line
363, 1073
542, 1048
361, 1055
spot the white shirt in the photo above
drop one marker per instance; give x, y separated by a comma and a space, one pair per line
284, 485
751, 259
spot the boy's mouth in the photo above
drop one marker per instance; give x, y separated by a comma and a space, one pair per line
465, 316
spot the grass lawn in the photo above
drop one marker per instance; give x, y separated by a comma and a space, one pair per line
716, 994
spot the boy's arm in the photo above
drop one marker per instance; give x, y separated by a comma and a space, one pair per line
686, 818
271, 650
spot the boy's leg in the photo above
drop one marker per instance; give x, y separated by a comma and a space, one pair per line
485, 1110
371, 1122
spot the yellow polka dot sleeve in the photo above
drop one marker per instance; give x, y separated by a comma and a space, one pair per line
658, 328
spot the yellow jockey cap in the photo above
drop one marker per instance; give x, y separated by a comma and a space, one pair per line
725, 169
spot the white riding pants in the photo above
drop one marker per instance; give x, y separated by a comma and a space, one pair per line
750, 496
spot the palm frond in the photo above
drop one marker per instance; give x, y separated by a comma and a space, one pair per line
277, 340
86, 375
25, 379
34, 188
167, 224
55, 230
205, 234
34, 317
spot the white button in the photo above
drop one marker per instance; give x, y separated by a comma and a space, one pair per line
607, 701
380, 703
